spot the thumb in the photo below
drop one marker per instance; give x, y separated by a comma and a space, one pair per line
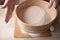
5, 4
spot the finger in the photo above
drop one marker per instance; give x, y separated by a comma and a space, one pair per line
5, 4
6, 20
51, 3
8, 16
10, 10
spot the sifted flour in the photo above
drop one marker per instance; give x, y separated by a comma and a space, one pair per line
36, 15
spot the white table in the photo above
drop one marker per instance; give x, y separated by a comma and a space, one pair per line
6, 30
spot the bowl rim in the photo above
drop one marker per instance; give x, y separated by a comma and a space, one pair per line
34, 24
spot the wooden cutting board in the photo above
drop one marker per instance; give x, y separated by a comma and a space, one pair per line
18, 34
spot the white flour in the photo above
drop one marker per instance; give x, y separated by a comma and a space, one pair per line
36, 15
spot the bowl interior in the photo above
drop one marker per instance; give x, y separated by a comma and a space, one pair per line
45, 5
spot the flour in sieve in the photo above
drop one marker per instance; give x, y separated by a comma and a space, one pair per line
36, 15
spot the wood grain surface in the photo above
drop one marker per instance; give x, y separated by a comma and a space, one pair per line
18, 34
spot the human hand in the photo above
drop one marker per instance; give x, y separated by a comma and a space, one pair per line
10, 4
51, 3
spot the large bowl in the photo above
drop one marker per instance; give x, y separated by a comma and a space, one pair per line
33, 28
